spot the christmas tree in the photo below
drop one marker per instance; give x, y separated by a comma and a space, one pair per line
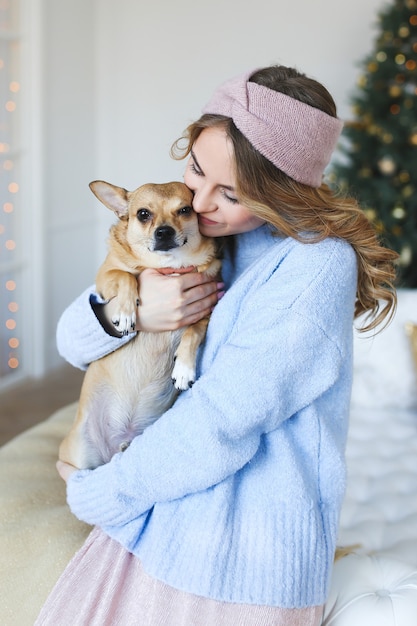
379, 147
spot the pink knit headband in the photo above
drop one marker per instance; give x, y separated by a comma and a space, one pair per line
296, 137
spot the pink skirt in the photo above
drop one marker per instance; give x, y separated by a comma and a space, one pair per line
104, 585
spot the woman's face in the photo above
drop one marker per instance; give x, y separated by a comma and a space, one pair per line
209, 174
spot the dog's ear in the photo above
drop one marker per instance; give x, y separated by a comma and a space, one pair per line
114, 198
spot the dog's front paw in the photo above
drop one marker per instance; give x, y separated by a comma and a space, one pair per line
124, 322
182, 375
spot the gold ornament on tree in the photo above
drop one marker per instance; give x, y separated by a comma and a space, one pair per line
398, 212
408, 191
395, 91
387, 165
403, 31
406, 256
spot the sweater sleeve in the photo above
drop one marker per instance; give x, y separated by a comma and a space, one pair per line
274, 366
80, 337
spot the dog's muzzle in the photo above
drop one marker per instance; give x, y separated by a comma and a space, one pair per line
165, 238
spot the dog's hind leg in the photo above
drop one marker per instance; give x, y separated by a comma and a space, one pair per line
73, 448
76, 448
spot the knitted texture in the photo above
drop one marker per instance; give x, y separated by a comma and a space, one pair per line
234, 494
296, 137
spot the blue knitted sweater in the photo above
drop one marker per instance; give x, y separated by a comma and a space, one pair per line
235, 493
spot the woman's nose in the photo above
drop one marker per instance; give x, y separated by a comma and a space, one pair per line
203, 201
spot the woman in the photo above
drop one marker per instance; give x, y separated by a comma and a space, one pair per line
226, 510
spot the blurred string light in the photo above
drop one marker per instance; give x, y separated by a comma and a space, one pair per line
9, 188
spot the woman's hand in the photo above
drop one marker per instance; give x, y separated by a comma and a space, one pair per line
169, 302
65, 469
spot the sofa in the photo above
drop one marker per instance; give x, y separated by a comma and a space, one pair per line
374, 584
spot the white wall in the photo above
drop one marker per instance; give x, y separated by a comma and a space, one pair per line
158, 63
123, 79
69, 140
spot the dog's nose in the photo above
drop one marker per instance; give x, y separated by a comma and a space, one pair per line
164, 233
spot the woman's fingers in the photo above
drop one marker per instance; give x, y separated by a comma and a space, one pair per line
200, 291
171, 302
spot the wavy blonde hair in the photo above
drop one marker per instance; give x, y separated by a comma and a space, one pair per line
292, 208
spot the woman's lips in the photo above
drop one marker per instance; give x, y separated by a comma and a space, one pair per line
206, 222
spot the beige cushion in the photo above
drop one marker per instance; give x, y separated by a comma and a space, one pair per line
38, 534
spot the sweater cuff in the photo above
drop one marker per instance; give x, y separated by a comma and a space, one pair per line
97, 305
81, 339
85, 496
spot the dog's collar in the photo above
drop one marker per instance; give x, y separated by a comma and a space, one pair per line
176, 270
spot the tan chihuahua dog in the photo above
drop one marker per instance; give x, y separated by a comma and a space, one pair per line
127, 390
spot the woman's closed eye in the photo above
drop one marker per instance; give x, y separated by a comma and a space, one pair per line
194, 166
225, 190
228, 197
195, 169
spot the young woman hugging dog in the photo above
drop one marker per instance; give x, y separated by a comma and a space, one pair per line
226, 509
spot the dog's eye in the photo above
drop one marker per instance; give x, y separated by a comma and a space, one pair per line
185, 210
143, 215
